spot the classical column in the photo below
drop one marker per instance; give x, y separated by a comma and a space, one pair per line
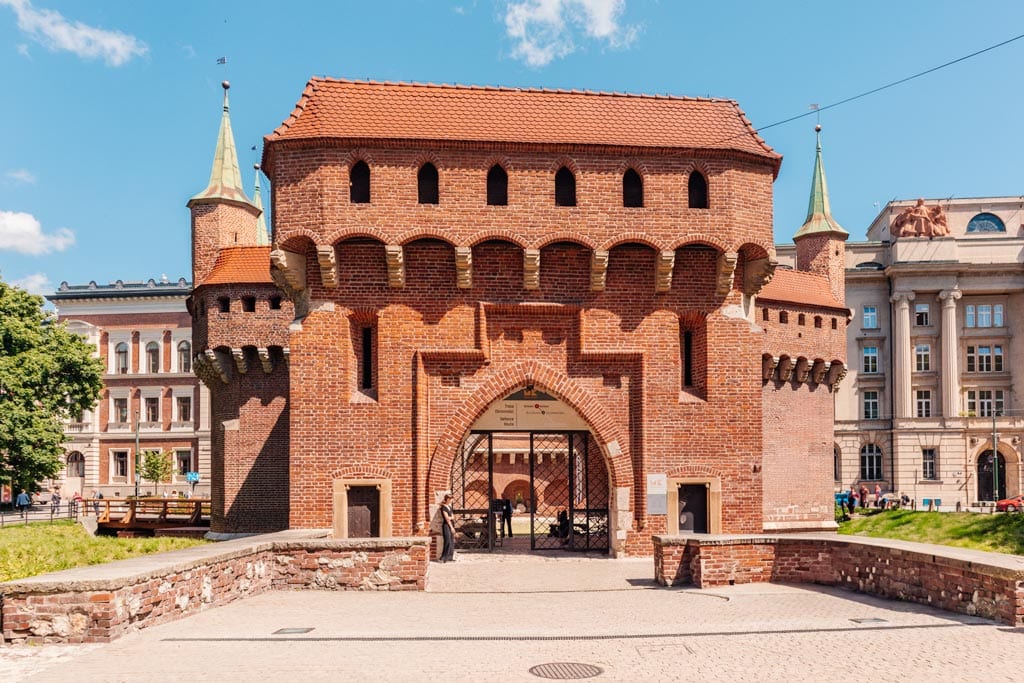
950, 366
901, 356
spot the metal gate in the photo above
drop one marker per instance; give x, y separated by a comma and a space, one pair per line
568, 486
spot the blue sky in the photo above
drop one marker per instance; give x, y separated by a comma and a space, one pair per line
112, 107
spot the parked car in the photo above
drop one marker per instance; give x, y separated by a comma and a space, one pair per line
1015, 504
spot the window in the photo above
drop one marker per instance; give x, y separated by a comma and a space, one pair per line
76, 464
983, 315
697, 191
359, 183
985, 358
801, 319
426, 184
764, 314
183, 404
921, 317
923, 357
870, 405
497, 186
929, 470
366, 367
275, 303
835, 324
924, 403
184, 356
121, 410
224, 304
986, 222
687, 359
152, 409
870, 318
152, 357
784, 317
565, 188
248, 304
632, 189
119, 464
870, 359
985, 402
182, 462
817, 321
871, 462
121, 359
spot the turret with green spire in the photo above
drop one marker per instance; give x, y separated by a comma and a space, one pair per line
820, 241
225, 176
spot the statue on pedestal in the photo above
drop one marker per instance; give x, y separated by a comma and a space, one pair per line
920, 221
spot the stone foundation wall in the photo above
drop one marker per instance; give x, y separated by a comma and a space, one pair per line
988, 585
99, 604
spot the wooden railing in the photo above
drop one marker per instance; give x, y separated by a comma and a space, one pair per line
148, 512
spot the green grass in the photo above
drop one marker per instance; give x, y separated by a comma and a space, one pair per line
1000, 533
28, 550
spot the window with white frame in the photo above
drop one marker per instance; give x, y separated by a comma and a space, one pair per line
929, 463
987, 358
184, 356
870, 401
870, 318
119, 465
922, 315
121, 358
183, 408
152, 404
182, 462
152, 357
924, 403
983, 315
119, 409
870, 462
923, 357
870, 359
985, 402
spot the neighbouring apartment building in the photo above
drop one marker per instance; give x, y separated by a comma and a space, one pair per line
937, 293
151, 400
567, 300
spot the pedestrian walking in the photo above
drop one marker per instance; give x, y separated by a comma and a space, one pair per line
863, 496
23, 502
506, 515
878, 495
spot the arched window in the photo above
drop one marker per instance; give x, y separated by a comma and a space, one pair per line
565, 188
986, 222
121, 359
632, 189
359, 183
497, 186
184, 356
426, 181
698, 190
783, 317
871, 462
76, 464
817, 321
801, 319
224, 304
152, 357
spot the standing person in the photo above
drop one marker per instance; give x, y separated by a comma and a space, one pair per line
851, 500
863, 496
55, 501
447, 529
23, 502
878, 495
506, 515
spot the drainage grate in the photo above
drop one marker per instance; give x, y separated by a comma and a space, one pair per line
869, 620
566, 671
290, 631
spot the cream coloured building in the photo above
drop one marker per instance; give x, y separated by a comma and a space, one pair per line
936, 361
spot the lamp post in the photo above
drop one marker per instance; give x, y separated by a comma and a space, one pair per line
136, 453
995, 457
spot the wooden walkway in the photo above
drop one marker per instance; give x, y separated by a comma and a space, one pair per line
146, 516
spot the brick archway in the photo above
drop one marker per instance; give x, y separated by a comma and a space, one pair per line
613, 443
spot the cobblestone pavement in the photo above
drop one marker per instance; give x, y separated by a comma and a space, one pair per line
493, 618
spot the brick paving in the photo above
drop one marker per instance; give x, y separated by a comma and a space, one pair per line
494, 617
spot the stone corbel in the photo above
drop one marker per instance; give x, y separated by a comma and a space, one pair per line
598, 270
785, 368
768, 365
240, 360
288, 269
328, 266
819, 370
531, 268
726, 268
396, 265
803, 370
663, 277
265, 360
464, 267
220, 364
836, 373
758, 273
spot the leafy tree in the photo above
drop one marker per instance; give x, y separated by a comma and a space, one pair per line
156, 467
47, 375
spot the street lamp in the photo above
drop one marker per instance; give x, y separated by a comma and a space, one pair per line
136, 453
995, 458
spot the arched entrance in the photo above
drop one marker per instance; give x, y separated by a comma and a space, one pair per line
529, 475
991, 476
75, 474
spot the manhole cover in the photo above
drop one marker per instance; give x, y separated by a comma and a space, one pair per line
291, 631
566, 671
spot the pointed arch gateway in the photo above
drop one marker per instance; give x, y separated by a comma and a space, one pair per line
561, 461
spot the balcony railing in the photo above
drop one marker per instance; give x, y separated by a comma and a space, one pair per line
77, 427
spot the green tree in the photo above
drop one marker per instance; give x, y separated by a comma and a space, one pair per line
47, 375
156, 467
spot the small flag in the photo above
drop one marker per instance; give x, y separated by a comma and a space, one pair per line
222, 60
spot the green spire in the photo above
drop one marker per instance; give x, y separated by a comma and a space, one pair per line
225, 177
262, 236
819, 214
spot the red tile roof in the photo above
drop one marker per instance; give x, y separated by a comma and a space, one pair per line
241, 265
331, 108
798, 287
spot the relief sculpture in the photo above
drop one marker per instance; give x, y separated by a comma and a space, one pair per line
920, 221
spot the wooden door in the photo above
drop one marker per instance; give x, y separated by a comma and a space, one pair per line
363, 512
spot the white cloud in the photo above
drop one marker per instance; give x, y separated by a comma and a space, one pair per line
543, 30
21, 232
51, 29
23, 51
21, 175
36, 283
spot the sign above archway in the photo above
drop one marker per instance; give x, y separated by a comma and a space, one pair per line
530, 410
